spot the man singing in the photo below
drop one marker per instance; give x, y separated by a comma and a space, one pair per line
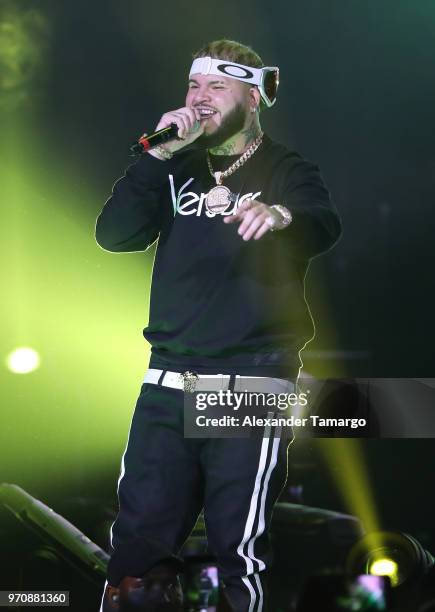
237, 217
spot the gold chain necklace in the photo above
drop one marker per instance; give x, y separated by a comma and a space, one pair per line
220, 197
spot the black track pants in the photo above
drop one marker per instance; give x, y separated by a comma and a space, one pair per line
166, 479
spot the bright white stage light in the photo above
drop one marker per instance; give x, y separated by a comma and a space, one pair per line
23, 360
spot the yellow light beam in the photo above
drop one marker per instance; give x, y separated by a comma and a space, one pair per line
347, 467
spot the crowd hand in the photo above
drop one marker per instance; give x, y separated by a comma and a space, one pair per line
190, 126
256, 219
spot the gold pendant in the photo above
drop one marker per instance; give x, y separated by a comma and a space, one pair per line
218, 199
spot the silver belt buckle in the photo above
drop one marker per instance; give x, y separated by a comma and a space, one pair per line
189, 381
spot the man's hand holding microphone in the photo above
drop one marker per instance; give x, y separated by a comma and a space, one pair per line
190, 124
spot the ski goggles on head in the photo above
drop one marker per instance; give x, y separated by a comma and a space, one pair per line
266, 78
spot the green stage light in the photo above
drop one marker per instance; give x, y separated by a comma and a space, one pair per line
23, 360
24, 35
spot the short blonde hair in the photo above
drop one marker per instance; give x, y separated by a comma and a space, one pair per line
231, 51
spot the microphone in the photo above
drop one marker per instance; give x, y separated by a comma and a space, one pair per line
148, 141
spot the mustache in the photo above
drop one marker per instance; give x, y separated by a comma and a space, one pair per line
231, 124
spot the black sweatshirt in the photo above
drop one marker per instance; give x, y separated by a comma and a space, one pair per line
220, 304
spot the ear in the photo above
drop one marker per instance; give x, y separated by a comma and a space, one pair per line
254, 98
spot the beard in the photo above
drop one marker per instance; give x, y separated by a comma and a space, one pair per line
231, 124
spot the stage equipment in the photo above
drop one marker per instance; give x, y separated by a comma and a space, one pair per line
306, 541
403, 560
396, 555
69, 542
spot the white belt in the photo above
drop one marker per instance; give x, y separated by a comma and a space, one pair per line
189, 381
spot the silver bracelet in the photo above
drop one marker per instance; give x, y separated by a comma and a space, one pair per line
285, 218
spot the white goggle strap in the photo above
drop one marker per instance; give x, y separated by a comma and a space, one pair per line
246, 74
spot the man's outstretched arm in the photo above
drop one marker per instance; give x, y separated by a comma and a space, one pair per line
313, 225
316, 225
